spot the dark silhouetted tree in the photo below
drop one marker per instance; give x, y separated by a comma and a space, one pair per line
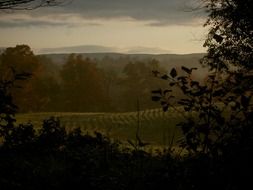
220, 109
217, 123
230, 37
7, 107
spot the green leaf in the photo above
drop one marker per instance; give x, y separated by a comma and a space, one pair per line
218, 38
165, 77
165, 108
189, 71
173, 73
172, 83
156, 98
184, 89
183, 79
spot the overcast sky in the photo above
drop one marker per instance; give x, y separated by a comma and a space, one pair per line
130, 26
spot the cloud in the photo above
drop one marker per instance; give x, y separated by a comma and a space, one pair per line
152, 12
157, 11
26, 20
24, 24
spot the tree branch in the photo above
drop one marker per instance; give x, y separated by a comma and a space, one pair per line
29, 4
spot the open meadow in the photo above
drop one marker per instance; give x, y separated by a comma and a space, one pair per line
155, 126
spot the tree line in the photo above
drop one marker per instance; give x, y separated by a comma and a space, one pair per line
78, 85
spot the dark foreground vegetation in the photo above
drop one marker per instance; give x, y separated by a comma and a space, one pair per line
51, 158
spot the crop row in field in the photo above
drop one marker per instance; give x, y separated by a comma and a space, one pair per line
155, 126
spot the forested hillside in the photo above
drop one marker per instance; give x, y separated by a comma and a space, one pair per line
98, 82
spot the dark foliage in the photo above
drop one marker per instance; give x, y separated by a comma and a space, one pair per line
51, 158
217, 125
229, 40
217, 128
217, 113
7, 107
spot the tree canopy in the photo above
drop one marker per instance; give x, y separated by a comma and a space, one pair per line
230, 37
82, 84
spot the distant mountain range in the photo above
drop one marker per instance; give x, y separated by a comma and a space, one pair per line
78, 49
103, 49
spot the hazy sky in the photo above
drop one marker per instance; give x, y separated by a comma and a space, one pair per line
132, 26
